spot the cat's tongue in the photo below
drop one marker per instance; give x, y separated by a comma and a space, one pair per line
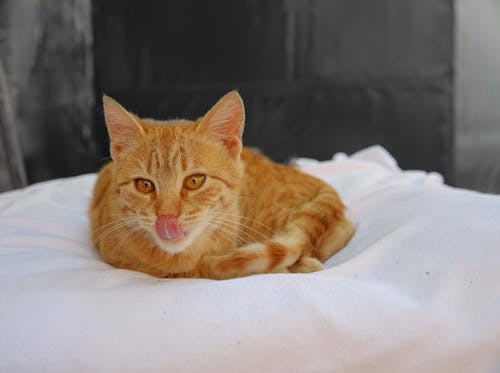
168, 227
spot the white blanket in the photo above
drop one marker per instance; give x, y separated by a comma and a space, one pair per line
416, 290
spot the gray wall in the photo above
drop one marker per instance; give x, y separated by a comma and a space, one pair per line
317, 76
477, 149
52, 77
47, 53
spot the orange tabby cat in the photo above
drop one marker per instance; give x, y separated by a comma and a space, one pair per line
185, 199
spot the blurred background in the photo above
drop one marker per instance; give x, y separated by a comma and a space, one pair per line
419, 77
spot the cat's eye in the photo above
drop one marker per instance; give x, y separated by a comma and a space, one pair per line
144, 185
194, 181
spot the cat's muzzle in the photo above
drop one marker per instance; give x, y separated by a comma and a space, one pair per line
168, 228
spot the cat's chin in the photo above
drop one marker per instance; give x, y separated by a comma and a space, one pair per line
176, 246
189, 238
173, 246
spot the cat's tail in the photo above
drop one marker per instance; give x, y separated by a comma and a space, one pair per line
291, 248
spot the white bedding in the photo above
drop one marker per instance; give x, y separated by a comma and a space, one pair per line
416, 290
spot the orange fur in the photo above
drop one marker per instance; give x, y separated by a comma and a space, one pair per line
249, 216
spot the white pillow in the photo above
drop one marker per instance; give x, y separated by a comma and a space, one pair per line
416, 290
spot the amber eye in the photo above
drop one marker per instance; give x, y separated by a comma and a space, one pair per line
194, 181
144, 185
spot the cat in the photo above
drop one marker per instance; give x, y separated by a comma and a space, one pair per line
185, 199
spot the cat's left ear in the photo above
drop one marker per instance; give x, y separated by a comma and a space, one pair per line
225, 122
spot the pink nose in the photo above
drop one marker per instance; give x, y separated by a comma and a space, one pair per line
168, 227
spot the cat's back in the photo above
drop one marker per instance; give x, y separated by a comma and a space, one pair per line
261, 172
270, 192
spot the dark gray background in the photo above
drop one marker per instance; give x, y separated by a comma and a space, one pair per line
318, 77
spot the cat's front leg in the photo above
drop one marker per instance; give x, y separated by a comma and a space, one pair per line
225, 266
256, 258
208, 267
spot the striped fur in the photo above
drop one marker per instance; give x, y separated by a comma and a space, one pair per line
250, 216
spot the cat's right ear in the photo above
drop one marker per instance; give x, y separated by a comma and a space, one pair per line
123, 127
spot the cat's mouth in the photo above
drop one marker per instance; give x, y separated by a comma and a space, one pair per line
174, 238
168, 228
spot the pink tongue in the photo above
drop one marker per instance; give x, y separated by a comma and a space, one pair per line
168, 228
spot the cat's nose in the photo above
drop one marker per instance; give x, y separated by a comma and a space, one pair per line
169, 205
168, 227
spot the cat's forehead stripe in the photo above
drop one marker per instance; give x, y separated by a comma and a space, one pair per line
149, 163
174, 157
183, 158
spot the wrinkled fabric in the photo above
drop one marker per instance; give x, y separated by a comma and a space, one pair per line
416, 290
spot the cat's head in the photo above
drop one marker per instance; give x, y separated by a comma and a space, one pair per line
178, 180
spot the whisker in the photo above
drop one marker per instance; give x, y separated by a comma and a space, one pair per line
122, 238
224, 220
114, 221
114, 226
104, 159
108, 232
125, 218
246, 218
247, 227
225, 223
214, 236
229, 235
111, 229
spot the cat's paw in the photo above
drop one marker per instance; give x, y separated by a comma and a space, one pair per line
221, 267
306, 265
207, 267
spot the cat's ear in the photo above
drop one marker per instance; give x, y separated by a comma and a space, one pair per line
123, 127
225, 122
